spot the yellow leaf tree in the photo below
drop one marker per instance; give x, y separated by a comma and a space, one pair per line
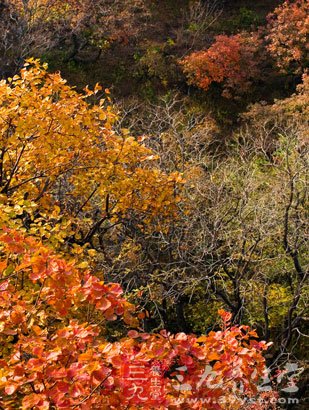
59, 155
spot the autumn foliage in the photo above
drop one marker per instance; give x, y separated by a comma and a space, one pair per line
61, 158
232, 61
237, 61
153, 249
288, 28
84, 29
58, 149
54, 354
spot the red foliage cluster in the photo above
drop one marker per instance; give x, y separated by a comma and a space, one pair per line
288, 28
54, 359
232, 61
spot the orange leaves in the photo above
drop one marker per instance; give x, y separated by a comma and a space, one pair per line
10, 389
13, 242
213, 356
4, 285
52, 282
3, 265
231, 60
105, 297
53, 310
288, 28
61, 283
225, 316
70, 364
35, 401
133, 334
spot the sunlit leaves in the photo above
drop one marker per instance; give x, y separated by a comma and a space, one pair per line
63, 169
233, 61
58, 359
56, 149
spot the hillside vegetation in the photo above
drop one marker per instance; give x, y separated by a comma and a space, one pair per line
154, 204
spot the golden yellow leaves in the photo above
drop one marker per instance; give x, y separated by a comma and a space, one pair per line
57, 146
